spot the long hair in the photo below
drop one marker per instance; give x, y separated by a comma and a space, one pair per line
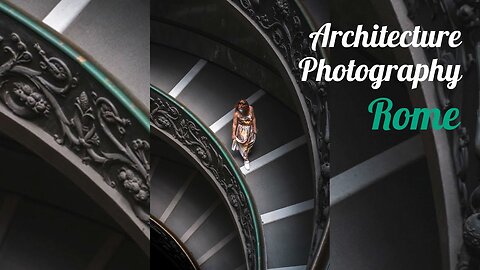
242, 106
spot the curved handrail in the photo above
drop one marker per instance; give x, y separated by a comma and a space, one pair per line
171, 245
183, 127
73, 53
48, 84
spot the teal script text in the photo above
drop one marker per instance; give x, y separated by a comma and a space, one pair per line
403, 118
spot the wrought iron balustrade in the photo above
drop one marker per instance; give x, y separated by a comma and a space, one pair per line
177, 124
49, 84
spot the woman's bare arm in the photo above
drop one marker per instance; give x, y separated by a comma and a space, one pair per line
254, 119
234, 125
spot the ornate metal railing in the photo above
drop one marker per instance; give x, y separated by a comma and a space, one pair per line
49, 84
463, 15
176, 123
166, 242
287, 29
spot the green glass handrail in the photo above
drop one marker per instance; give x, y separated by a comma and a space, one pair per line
230, 163
94, 71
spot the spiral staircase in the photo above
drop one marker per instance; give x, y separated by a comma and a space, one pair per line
398, 200
273, 182
74, 136
199, 74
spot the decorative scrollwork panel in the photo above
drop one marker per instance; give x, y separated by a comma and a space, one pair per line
41, 84
172, 119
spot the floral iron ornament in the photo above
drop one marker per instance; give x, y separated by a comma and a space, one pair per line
43, 89
176, 122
